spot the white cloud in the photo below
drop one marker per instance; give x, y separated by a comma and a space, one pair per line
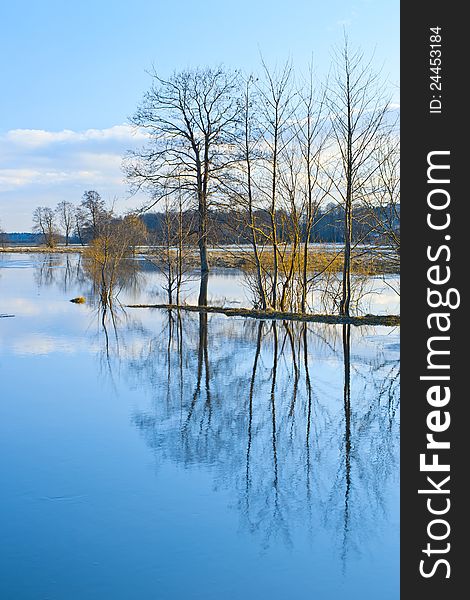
13, 178
36, 138
37, 344
44, 167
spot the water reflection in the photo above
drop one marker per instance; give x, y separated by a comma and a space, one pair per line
139, 281
267, 450
63, 271
301, 427
284, 415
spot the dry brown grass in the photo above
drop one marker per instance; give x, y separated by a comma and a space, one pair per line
363, 263
318, 261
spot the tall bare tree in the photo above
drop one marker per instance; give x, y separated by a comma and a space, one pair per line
358, 109
190, 120
312, 136
383, 201
277, 108
172, 250
242, 186
95, 214
65, 212
45, 224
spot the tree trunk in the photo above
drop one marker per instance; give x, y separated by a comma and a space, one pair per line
202, 300
254, 242
202, 243
273, 210
346, 295
346, 291
203, 254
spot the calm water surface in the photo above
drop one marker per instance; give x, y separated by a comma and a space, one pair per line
178, 457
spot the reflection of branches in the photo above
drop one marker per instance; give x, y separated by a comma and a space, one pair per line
347, 434
230, 417
45, 272
108, 314
273, 409
202, 362
250, 410
308, 385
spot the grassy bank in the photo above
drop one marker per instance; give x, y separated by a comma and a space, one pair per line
364, 262
42, 249
319, 259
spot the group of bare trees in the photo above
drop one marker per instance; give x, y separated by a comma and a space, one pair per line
359, 109
275, 153
274, 146
84, 222
109, 239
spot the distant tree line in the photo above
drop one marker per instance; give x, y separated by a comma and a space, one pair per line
83, 223
72, 223
229, 227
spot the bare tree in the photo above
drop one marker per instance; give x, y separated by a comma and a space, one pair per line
94, 213
66, 214
382, 203
312, 135
44, 223
358, 108
172, 249
242, 186
289, 219
79, 224
190, 120
106, 255
276, 112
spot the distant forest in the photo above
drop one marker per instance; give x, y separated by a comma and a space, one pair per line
229, 227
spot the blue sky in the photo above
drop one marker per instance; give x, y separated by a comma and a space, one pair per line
74, 72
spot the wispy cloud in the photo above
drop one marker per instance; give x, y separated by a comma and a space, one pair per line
36, 138
45, 167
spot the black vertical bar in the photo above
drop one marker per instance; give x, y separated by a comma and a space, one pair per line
424, 131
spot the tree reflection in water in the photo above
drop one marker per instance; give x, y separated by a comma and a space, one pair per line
298, 421
302, 430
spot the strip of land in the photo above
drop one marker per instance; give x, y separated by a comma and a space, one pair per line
371, 261
387, 320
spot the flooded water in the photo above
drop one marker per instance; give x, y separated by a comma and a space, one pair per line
151, 455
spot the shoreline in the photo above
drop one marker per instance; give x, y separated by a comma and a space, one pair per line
320, 259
